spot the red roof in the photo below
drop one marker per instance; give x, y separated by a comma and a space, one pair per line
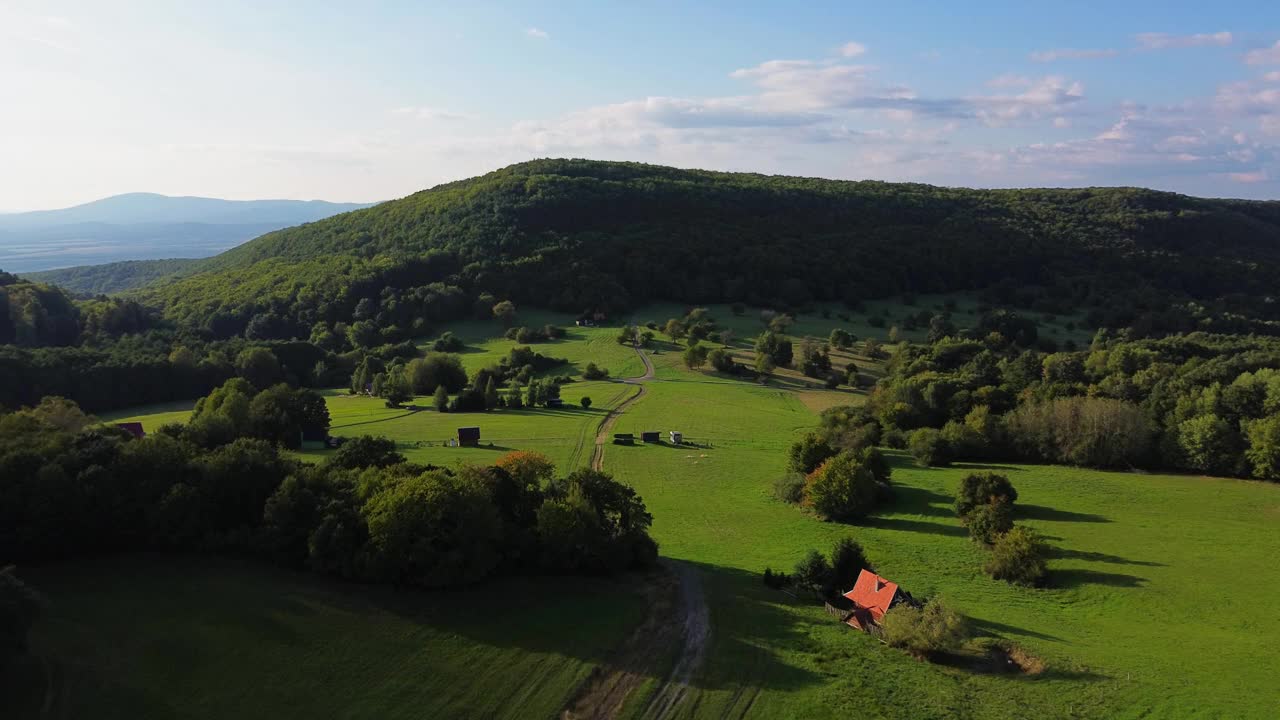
873, 594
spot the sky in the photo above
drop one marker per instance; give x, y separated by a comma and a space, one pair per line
374, 100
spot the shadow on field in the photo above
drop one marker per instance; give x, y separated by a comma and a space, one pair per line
1067, 554
987, 466
921, 501
747, 621
919, 526
1075, 578
1001, 630
1041, 512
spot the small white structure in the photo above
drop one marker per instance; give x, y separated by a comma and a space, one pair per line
677, 437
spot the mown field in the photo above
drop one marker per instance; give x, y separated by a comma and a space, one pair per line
1160, 602
151, 637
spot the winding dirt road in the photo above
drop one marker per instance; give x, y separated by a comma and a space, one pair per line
677, 613
605, 429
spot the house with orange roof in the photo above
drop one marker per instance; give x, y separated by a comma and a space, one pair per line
872, 596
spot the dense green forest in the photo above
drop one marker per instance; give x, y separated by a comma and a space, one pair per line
587, 236
113, 277
579, 235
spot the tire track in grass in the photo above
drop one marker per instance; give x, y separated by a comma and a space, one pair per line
606, 691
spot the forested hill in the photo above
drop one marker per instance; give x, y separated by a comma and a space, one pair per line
115, 277
577, 234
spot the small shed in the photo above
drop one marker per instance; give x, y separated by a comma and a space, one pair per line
555, 403
677, 437
469, 436
133, 428
651, 436
623, 438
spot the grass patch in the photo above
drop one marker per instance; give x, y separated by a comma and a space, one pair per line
162, 637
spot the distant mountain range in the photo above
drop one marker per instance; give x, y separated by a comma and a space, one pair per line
146, 226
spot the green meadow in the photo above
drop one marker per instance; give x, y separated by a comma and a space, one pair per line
1160, 603
150, 637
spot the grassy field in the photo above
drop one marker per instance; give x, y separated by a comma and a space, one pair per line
1160, 604
144, 637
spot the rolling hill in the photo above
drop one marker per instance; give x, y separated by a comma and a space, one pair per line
576, 234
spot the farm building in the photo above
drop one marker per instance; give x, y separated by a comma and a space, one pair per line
469, 436
872, 596
651, 436
677, 437
555, 403
133, 428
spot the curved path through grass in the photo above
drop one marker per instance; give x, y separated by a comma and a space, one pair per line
607, 693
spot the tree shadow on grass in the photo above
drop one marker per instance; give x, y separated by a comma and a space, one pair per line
1002, 630
922, 501
1041, 512
987, 466
1068, 554
1076, 577
920, 526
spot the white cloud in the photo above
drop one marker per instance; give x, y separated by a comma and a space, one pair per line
1264, 56
431, 113
534, 32
852, 49
804, 85
1044, 56
1051, 95
1164, 41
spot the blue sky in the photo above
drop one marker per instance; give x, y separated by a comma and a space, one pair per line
366, 101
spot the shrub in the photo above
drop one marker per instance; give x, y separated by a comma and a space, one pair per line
928, 448
585, 402
841, 339
789, 488
847, 560
987, 522
812, 573
1018, 557
722, 361
926, 631
807, 453
594, 372
695, 356
843, 487
364, 452
983, 488
894, 438
448, 343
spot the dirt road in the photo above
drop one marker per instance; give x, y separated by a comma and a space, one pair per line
605, 429
677, 614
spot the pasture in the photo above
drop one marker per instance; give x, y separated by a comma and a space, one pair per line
1159, 603
149, 637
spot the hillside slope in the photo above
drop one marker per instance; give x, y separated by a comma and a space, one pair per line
574, 234
111, 277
